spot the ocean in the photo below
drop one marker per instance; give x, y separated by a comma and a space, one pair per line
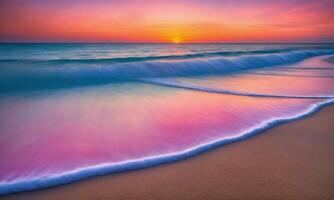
73, 111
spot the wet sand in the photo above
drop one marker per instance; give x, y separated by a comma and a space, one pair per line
290, 161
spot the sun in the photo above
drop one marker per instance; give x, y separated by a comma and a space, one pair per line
176, 40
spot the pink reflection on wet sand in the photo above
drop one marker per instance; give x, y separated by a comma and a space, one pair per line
48, 135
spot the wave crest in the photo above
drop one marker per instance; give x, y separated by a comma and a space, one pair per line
45, 77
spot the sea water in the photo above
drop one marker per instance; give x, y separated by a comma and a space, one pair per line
73, 111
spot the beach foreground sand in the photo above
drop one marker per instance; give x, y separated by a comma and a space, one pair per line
291, 161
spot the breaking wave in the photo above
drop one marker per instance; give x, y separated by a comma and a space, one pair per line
17, 77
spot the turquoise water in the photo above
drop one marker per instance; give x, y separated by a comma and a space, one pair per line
110, 51
74, 111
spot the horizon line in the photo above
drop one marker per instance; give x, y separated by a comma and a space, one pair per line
181, 43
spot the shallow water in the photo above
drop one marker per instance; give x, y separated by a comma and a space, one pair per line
312, 77
60, 123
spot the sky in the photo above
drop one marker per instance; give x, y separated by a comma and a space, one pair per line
167, 21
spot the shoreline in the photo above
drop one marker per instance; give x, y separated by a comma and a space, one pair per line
143, 183
149, 162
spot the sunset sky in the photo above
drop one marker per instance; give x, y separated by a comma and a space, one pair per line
197, 21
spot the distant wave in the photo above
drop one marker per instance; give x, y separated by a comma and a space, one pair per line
108, 168
156, 57
230, 92
147, 58
17, 78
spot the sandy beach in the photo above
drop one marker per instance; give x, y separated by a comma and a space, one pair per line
290, 161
